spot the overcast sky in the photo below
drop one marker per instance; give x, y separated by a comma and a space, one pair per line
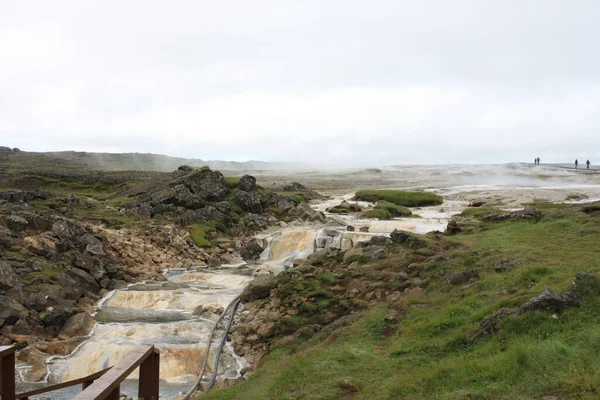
323, 81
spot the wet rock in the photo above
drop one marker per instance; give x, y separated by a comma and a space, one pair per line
37, 372
10, 311
8, 278
65, 347
116, 284
350, 228
549, 300
364, 229
251, 251
461, 277
247, 183
27, 329
259, 288
78, 325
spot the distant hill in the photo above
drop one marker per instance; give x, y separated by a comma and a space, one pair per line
157, 162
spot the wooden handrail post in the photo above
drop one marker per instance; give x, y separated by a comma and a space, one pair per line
115, 394
148, 388
7, 372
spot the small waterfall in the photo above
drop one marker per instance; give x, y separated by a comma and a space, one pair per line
291, 243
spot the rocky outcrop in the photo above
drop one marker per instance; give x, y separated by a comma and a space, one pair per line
549, 300
461, 277
8, 278
249, 201
209, 185
525, 214
247, 183
10, 311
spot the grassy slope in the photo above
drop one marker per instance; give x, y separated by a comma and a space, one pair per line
431, 356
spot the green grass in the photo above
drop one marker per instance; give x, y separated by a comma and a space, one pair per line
399, 197
431, 356
198, 232
232, 181
299, 197
386, 210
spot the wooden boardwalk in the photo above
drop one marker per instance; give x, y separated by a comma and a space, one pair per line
101, 385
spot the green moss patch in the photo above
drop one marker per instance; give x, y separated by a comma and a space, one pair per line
399, 197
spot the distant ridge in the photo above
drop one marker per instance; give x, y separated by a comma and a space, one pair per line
163, 163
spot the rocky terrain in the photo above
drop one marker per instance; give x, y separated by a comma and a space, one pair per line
80, 234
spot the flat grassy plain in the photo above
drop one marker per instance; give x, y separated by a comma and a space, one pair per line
432, 355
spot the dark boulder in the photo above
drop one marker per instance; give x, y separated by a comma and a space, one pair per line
15, 223
249, 201
8, 278
7, 237
85, 280
379, 240
549, 300
210, 185
284, 203
10, 311
461, 277
491, 323
251, 250
78, 325
208, 213
93, 245
223, 207
259, 288
452, 228
247, 183
57, 317
399, 236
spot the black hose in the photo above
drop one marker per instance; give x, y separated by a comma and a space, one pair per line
223, 339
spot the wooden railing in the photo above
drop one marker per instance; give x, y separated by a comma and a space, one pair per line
101, 385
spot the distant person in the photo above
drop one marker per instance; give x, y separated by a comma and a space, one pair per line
587, 163
576, 163
538, 161
535, 161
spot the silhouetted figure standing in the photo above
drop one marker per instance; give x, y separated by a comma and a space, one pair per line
538, 161
587, 163
576, 163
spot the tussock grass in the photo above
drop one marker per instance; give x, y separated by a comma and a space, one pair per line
399, 197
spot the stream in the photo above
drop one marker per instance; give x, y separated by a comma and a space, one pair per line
178, 314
